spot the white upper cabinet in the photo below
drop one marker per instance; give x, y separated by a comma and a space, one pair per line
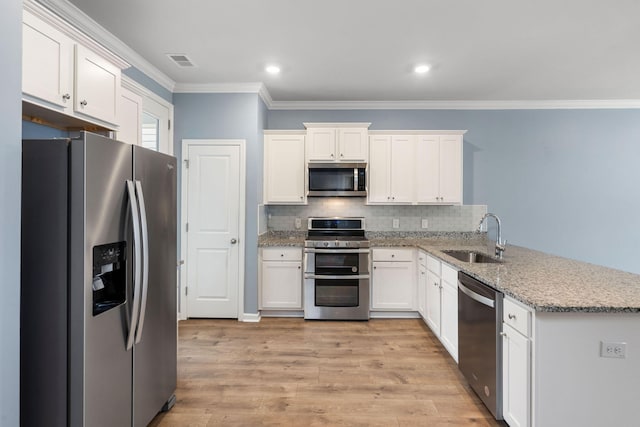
439, 169
97, 88
67, 78
284, 168
391, 169
337, 142
46, 49
130, 117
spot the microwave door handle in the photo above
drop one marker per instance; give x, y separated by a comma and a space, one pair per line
355, 179
145, 260
137, 261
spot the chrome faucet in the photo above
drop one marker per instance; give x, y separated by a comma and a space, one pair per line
500, 245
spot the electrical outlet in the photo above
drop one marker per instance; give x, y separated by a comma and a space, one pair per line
425, 223
617, 350
298, 223
396, 223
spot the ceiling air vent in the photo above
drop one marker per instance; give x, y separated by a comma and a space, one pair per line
181, 60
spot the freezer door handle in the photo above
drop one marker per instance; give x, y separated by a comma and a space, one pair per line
137, 261
145, 260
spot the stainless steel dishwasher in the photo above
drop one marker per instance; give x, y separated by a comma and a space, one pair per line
479, 343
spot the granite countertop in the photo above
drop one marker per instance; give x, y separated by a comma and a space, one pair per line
544, 282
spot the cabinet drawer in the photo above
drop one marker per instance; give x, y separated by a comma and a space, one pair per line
433, 264
393, 254
281, 254
517, 317
449, 274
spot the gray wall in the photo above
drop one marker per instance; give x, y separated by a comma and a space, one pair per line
10, 160
148, 82
563, 181
229, 116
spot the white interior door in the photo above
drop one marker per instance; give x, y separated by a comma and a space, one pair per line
214, 190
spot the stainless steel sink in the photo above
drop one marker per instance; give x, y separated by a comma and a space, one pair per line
472, 257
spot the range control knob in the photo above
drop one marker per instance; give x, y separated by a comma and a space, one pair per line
325, 243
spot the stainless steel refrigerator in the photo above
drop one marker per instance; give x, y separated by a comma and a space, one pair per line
98, 265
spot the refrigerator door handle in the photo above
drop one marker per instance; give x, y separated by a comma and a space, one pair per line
133, 208
145, 260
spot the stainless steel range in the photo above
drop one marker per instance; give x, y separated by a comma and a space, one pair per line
336, 272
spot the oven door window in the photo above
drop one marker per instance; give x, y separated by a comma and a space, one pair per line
339, 264
336, 293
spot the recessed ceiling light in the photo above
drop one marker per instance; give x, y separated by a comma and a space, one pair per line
421, 69
272, 69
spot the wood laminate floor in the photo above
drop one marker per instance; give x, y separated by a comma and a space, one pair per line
291, 372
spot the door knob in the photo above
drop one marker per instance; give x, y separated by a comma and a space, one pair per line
234, 241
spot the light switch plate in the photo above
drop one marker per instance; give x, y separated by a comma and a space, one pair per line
425, 223
396, 223
298, 223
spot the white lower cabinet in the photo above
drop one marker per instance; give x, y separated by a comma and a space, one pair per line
516, 365
281, 278
393, 280
442, 303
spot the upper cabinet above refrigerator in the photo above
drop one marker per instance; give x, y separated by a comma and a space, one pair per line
67, 78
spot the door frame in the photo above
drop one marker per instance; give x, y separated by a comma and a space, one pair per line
184, 262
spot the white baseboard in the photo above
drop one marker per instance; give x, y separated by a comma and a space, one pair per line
250, 317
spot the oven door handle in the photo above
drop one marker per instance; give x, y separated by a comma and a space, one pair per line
337, 251
327, 277
476, 297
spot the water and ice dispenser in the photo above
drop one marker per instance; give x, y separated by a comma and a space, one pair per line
109, 276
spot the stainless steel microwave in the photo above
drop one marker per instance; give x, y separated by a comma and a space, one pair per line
337, 179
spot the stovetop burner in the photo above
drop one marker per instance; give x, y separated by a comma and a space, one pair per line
336, 233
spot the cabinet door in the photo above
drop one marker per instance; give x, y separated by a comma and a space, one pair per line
428, 168
352, 145
379, 174
97, 86
433, 302
402, 169
451, 169
47, 63
281, 285
130, 117
449, 318
321, 144
422, 291
516, 377
284, 169
393, 286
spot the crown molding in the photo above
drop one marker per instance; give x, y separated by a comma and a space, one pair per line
248, 87
99, 36
456, 105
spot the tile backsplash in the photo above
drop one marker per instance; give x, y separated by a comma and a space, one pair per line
378, 218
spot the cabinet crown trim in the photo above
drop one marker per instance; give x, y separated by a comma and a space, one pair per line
417, 132
337, 125
284, 132
42, 13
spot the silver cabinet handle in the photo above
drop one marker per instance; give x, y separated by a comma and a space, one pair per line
83, 102
511, 316
503, 334
66, 97
234, 241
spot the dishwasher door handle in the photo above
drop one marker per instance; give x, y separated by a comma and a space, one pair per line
476, 297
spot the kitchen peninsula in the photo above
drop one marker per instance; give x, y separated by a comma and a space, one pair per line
573, 309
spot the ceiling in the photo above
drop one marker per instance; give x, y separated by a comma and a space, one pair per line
365, 50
